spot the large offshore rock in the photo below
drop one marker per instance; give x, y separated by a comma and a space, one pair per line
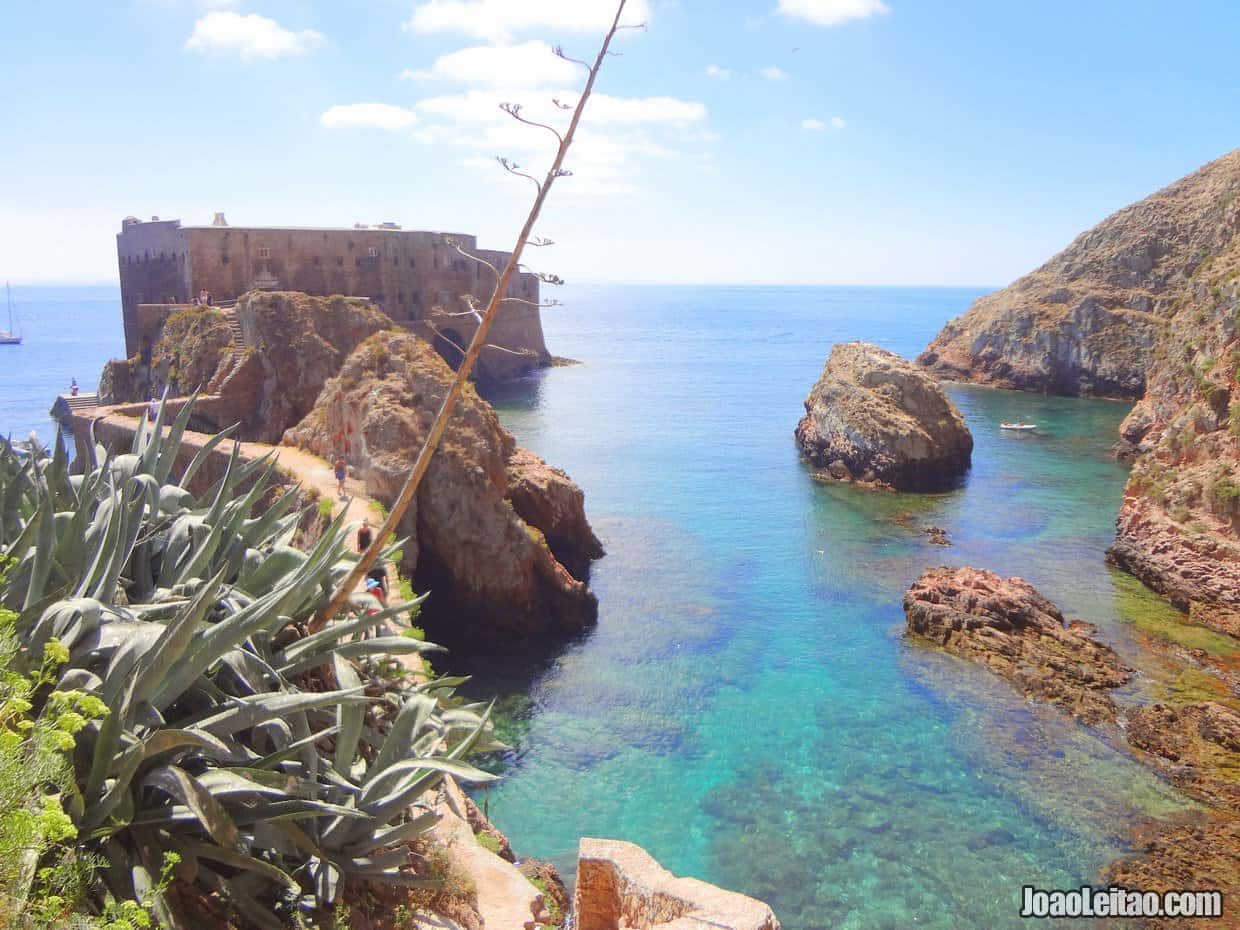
874, 416
1006, 625
1087, 321
499, 539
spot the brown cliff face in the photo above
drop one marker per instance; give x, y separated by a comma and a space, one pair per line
1086, 322
492, 527
192, 344
1177, 528
297, 342
1006, 625
876, 417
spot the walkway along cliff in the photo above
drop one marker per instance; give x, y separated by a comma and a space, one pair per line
499, 537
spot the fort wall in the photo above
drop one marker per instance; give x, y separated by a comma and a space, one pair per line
418, 278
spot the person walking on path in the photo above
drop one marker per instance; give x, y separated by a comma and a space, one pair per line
364, 536
341, 474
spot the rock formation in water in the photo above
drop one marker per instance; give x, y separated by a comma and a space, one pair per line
1087, 321
874, 417
1006, 625
495, 534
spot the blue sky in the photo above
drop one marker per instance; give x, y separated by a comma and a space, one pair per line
763, 141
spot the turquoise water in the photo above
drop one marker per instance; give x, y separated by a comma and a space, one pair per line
747, 708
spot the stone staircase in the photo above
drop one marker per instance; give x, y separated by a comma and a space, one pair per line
234, 325
81, 401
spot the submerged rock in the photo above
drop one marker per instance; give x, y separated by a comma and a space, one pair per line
875, 416
1006, 625
498, 537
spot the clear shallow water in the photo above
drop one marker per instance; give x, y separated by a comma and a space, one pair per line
747, 708
67, 332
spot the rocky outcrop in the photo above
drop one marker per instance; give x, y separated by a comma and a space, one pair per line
873, 416
192, 344
547, 498
621, 885
1178, 526
1006, 625
481, 527
1088, 320
298, 342
1197, 746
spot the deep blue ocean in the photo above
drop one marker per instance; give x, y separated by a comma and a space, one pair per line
747, 708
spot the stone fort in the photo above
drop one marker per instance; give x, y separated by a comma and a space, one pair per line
418, 278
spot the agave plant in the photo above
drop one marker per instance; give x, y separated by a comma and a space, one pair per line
278, 766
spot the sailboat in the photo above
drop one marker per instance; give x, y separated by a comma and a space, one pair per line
8, 337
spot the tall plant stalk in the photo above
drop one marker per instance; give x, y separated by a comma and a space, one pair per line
476, 345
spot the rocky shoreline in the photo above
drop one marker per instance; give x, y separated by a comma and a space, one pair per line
1012, 629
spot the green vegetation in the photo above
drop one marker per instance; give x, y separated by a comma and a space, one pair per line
173, 721
326, 507
488, 842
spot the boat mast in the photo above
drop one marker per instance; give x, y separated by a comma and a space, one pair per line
8, 296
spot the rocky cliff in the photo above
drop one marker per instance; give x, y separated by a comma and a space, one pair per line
1177, 527
875, 417
1087, 321
495, 534
192, 344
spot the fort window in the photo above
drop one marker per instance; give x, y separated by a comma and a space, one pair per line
224, 259
412, 263
316, 261
264, 253
339, 262
372, 252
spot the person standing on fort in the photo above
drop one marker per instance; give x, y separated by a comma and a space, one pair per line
73, 387
340, 476
204, 298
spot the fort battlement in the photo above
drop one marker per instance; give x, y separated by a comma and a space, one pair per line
417, 277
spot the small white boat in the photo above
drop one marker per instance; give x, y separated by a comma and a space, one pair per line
1019, 427
9, 337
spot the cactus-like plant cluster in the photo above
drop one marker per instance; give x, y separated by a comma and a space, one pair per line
279, 766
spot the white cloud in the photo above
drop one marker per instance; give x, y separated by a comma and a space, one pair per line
718, 73
368, 115
774, 74
499, 19
531, 64
250, 36
817, 125
832, 12
616, 134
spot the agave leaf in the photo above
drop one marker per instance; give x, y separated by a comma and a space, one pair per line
410, 720
383, 645
203, 455
182, 786
349, 716
401, 833
241, 899
238, 860
248, 711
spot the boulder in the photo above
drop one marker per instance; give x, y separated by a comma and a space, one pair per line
1006, 625
876, 415
481, 526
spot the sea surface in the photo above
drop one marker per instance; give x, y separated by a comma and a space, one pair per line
67, 332
748, 708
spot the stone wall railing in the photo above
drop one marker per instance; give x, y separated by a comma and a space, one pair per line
621, 887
